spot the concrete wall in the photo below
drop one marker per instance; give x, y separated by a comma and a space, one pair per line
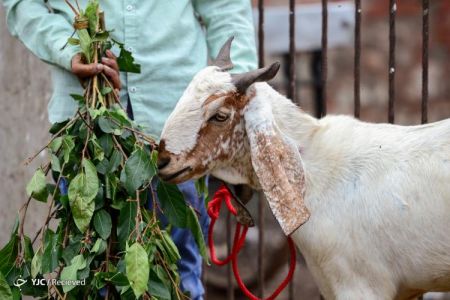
24, 90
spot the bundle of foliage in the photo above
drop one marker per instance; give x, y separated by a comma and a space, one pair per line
107, 241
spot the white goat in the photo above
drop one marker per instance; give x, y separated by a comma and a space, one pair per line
377, 195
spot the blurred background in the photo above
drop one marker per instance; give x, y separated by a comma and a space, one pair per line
25, 89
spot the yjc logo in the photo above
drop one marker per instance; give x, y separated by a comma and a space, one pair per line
19, 282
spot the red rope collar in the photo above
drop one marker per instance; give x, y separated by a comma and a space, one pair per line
223, 194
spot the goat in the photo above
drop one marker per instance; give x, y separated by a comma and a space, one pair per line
374, 198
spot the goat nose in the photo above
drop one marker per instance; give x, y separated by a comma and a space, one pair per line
163, 161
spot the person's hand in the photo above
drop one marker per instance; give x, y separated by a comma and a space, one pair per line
108, 66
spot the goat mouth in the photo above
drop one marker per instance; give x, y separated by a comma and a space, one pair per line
172, 176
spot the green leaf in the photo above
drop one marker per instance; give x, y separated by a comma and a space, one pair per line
137, 171
101, 36
172, 204
126, 61
82, 191
106, 90
17, 295
106, 143
126, 221
117, 114
28, 248
56, 127
97, 149
91, 14
170, 247
36, 263
115, 160
116, 278
202, 187
85, 44
37, 187
137, 267
56, 144
157, 288
108, 126
67, 146
73, 41
56, 166
51, 253
99, 247
94, 113
70, 272
119, 279
102, 223
85, 184
82, 212
103, 166
8, 255
194, 225
111, 183
72, 249
5, 290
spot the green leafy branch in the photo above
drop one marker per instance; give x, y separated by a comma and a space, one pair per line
99, 184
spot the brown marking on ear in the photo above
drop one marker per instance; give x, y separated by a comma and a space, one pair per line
281, 176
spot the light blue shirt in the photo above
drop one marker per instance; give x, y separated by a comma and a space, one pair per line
165, 36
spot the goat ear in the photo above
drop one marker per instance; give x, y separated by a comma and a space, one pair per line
223, 59
244, 80
278, 166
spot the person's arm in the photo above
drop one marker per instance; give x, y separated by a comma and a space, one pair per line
45, 34
42, 32
225, 18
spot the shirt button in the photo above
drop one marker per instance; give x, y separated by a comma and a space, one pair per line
129, 7
130, 49
133, 89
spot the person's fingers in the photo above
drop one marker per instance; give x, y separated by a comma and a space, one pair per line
113, 76
110, 54
82, 70
111, 63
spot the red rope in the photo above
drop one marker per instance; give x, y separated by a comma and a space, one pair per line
223, 194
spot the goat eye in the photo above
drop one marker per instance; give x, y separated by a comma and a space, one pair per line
219, 117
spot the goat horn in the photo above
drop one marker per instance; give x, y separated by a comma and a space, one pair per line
244, 80
223, 60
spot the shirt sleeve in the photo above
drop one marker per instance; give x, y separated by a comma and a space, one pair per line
43, 32
226, 18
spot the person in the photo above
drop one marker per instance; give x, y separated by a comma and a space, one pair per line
172, 40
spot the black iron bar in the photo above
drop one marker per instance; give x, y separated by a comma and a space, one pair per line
292, 74
324, 57
260, 259
316, 73
261, 33
392, 14
425, 45
230, 287
261, 246
292, 87
357, 61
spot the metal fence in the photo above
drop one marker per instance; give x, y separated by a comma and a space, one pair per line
321, 97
